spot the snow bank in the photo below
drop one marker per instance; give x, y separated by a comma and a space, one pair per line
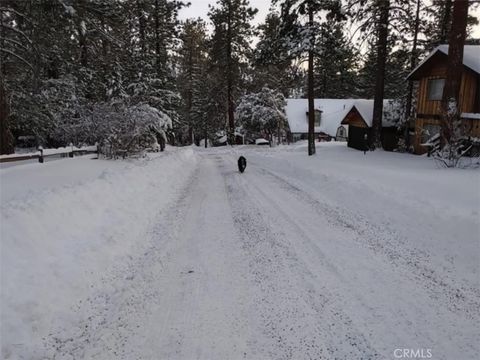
66, 229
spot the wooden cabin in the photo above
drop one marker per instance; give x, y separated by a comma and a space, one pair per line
430, 75
359, 119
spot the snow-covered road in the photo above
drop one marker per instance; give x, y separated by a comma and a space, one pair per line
297, 258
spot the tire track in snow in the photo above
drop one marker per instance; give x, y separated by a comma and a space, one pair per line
298, 313
435, 313
459, 298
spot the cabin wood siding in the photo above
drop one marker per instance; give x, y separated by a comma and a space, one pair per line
468, 92
472, 127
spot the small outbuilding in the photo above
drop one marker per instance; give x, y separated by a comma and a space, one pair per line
359, 118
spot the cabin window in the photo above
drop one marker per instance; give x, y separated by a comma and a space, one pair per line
318, 117
435, 89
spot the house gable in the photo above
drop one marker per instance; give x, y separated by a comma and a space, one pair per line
471, 61
433, 65
435, 68
354, 118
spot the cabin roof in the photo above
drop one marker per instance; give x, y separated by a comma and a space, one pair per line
333, 112
471, 59
391, 112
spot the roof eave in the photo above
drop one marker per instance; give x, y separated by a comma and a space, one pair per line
412, 76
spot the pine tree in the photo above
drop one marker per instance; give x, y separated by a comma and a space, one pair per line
272, 67
300, 39
192, 64
396, 69
386, 20
453, 80
82, 54
15, 54
335, 63
230, 48
439, 28
263, 113
382, 39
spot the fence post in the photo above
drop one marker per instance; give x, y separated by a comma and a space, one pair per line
40, 158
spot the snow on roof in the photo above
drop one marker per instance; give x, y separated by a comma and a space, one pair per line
333, 112
390, 111
475, 116
471, 57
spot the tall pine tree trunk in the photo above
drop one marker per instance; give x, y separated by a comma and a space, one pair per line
161, 56
189, 93
382, 26
206, 134
82, 35
157, 39
141, 27
451, 91
413, 63
311, 105
231, 120
6, 138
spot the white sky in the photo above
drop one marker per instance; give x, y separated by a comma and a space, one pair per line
199, 8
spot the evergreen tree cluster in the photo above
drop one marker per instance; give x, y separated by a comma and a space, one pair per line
64, 62
262, 114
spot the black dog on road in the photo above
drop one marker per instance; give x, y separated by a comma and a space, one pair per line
242, 164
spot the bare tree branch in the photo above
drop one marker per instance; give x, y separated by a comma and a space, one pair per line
18, 57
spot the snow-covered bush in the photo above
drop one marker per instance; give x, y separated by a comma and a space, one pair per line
454, 144
60, 114
262, 113
128, 130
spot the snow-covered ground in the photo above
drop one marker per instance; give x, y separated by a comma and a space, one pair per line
178, 256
